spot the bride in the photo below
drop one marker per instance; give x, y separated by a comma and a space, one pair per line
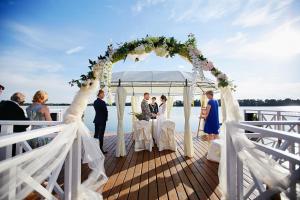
161, 116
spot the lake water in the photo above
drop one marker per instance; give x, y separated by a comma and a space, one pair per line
177, 115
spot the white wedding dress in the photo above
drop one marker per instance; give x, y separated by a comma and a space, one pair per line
161, 117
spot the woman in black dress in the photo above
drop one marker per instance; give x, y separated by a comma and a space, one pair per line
153, 107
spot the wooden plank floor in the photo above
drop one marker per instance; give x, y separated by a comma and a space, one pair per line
159, 175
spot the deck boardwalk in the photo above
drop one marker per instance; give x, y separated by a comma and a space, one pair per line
159, 175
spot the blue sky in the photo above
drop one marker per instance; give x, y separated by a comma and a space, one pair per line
44, 44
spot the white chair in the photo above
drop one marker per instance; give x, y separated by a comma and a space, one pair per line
214, 150
142, 136
167, 136
154, 129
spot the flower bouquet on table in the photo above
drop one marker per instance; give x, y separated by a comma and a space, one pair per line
139, 116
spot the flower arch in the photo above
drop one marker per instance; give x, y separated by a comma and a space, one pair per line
100, 72
137, 49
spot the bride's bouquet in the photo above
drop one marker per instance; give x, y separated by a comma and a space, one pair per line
139, 116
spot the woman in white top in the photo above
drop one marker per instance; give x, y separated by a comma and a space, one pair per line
161, 116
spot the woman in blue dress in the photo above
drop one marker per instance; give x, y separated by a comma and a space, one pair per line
211, 117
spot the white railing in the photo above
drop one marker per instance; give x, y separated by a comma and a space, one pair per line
284, 154
71, 161
272, 115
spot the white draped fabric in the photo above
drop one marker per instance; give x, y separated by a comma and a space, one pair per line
188, 141
134, 109
36, 166
169, 106
120, 100
261, 165
167, 136
142, 136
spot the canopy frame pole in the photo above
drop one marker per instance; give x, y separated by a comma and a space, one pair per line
202, 101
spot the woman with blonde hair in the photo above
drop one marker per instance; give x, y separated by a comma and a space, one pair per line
38, 111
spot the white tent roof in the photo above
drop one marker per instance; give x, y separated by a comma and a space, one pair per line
158, 82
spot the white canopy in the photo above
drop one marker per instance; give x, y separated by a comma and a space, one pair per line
170, 83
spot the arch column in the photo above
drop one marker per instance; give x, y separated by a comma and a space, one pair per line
134, 109
120, 100
188, 140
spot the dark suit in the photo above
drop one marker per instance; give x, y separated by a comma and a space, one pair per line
153, 109
10, 110
100, 120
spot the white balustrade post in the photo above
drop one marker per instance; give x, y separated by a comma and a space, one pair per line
76, 166
6, 152
279, 119
259, 115
68, 176
298, 130
231, 167
240, 178
12, 183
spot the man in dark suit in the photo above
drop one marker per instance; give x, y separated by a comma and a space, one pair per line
11, 110
100, 118
1, 89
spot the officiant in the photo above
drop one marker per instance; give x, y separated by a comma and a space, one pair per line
153, 107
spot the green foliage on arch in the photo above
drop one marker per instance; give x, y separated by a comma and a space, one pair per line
162, 46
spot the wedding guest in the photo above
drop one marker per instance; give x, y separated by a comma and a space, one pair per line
100, 118
38, 111
1, 89
153, 107
11, 110
145, 108
211, 117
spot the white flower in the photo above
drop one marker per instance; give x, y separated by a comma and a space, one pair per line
139, 50
137, 57
222, 76
207, 65
160, 51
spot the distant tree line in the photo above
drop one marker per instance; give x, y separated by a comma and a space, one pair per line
270, 102
197, 103
253, 102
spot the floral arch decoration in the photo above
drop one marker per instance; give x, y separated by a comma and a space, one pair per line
162, 46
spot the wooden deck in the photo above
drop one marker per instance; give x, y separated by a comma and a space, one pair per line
159, 175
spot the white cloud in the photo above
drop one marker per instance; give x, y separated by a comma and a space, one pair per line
56, 86
141, 4
74, 50
22, 62
202, 11
281, 43
239, 37
265, 89
24, 72
257, 13
41, 38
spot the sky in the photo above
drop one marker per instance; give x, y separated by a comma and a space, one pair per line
45, 44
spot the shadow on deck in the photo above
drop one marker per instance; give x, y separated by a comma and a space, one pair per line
163, 175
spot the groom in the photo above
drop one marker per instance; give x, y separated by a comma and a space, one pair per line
145, 107
100, 118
